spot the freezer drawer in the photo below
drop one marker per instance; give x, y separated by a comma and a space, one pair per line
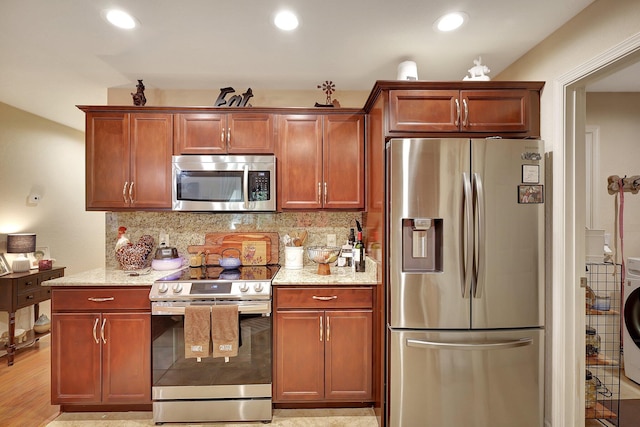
466, 379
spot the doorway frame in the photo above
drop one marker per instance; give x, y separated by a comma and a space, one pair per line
568, 219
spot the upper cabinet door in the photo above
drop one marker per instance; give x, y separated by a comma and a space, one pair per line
249, 133
343, 162
200, 133
107, 160
151, 150
424, 110
299, 164
495, 110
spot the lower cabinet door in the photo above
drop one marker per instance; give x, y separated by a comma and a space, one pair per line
299, 356
348, 355
126, 357
75, 358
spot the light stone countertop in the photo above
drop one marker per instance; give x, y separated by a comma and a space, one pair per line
308, 275
109, 277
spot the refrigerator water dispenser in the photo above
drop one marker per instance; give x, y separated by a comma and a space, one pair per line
422, 245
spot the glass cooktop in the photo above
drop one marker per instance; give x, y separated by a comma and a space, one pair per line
217, 273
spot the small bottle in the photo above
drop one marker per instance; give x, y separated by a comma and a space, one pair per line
358, 254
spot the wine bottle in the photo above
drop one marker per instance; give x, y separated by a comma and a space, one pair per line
358, 254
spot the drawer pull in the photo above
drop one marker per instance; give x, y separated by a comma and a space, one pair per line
325, 298
28, 283
101, 299
29, 296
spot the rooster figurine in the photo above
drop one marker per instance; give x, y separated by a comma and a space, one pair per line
123, 240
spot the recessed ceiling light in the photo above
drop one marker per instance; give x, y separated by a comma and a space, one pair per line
286, 20
451, 21
120, 19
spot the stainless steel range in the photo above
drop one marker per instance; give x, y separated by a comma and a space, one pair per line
208, 389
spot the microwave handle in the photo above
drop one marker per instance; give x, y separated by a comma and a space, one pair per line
246, 186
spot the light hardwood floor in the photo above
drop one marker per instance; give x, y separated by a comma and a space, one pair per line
25, 387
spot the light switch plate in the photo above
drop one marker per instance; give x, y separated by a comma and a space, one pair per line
331, 240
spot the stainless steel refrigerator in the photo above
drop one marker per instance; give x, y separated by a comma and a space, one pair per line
465, 282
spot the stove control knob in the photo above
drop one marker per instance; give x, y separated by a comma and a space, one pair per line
177, 288
258, 287
163, 288
244, 287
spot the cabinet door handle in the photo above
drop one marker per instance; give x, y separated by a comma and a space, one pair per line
328, 329
228, 135
222, 135
325, 193
95, 327
104, 340
131, 192
94, 299
319, 191
457, 120
465, 119
124, 191
325, 298
321, 328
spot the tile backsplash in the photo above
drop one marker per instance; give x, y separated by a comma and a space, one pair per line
185, 228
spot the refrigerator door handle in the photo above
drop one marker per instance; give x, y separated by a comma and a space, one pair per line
466, 246
489, 345
479, 208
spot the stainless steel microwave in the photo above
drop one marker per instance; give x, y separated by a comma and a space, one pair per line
224, 183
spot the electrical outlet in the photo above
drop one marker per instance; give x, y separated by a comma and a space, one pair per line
331, 240
164, 239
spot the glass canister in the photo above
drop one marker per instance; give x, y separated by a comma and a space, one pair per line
592, 342
590, 390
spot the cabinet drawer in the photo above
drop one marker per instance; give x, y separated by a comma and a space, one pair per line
317, 297
100, 299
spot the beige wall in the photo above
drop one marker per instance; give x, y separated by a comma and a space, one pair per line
602, 25
46, 157
616, 117
261, 98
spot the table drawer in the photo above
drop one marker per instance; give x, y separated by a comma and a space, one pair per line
317, 297
34, 297
100, 299
50, 274
27, 285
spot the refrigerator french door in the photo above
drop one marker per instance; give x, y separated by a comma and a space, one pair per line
465, 274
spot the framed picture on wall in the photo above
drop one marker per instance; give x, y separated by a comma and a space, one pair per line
4, 266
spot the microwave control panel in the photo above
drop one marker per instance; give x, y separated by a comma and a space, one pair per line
259, 185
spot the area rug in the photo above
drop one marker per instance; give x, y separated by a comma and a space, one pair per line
629, 415
356, 417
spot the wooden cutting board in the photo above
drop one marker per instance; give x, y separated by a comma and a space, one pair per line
255, 248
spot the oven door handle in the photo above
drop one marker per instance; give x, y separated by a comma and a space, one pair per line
255, 308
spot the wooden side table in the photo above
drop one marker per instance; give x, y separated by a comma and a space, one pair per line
19, 290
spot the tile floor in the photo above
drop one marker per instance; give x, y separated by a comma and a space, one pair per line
356, 417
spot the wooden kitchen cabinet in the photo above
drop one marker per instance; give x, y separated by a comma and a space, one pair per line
496, 110
128, 160
321, 161
101, 346
323, 344
224, 133
20, 290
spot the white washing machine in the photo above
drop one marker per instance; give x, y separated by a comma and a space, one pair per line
631, 323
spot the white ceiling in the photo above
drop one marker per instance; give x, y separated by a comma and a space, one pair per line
57, 54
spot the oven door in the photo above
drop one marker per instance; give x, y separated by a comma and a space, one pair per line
179, 384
